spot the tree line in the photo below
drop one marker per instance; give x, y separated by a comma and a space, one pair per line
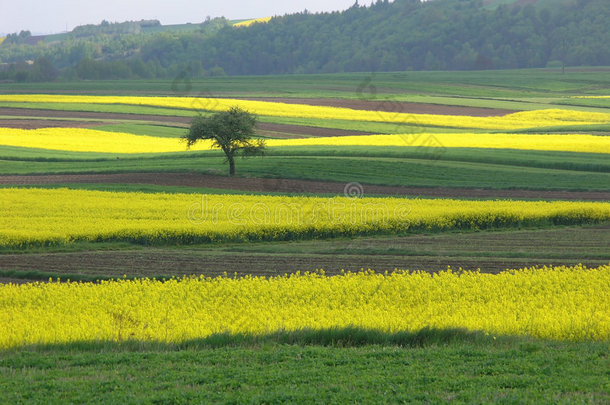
397, 36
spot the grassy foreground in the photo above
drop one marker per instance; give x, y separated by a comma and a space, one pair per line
437, 367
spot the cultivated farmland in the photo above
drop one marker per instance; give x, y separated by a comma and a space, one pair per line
466, 225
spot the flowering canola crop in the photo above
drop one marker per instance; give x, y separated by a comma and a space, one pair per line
248, 23
571, 143
552, 303
88, 140
520, 120
47, 216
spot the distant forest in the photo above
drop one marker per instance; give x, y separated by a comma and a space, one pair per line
384, 36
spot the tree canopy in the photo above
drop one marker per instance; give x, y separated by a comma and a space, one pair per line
385, 36
232, 131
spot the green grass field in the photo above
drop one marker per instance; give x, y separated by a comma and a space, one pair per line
325, 367
391, 171
500, 85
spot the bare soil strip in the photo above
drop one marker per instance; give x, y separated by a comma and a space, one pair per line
490, 251
26, 112
284, 130
299, 131
41, 123
150, 263
391, 106
294, 186
5, 280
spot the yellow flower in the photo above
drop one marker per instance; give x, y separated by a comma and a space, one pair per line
43, 216
88, 140
561, 303
248, 23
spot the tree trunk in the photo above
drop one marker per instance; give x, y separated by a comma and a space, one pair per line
231, 166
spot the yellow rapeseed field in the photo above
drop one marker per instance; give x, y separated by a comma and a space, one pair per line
2, 40
521, 120
571, 143
46, 216
88, 140
248, 23
558, 303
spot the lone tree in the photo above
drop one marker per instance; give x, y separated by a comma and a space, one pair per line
232, 131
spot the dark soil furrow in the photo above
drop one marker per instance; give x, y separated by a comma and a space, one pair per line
295, 186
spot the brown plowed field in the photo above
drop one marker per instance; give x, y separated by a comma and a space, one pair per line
151, 263
24, 112
299, 131
5, 280
391, 106
295, 186
267, 128
490, 251
35, 123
